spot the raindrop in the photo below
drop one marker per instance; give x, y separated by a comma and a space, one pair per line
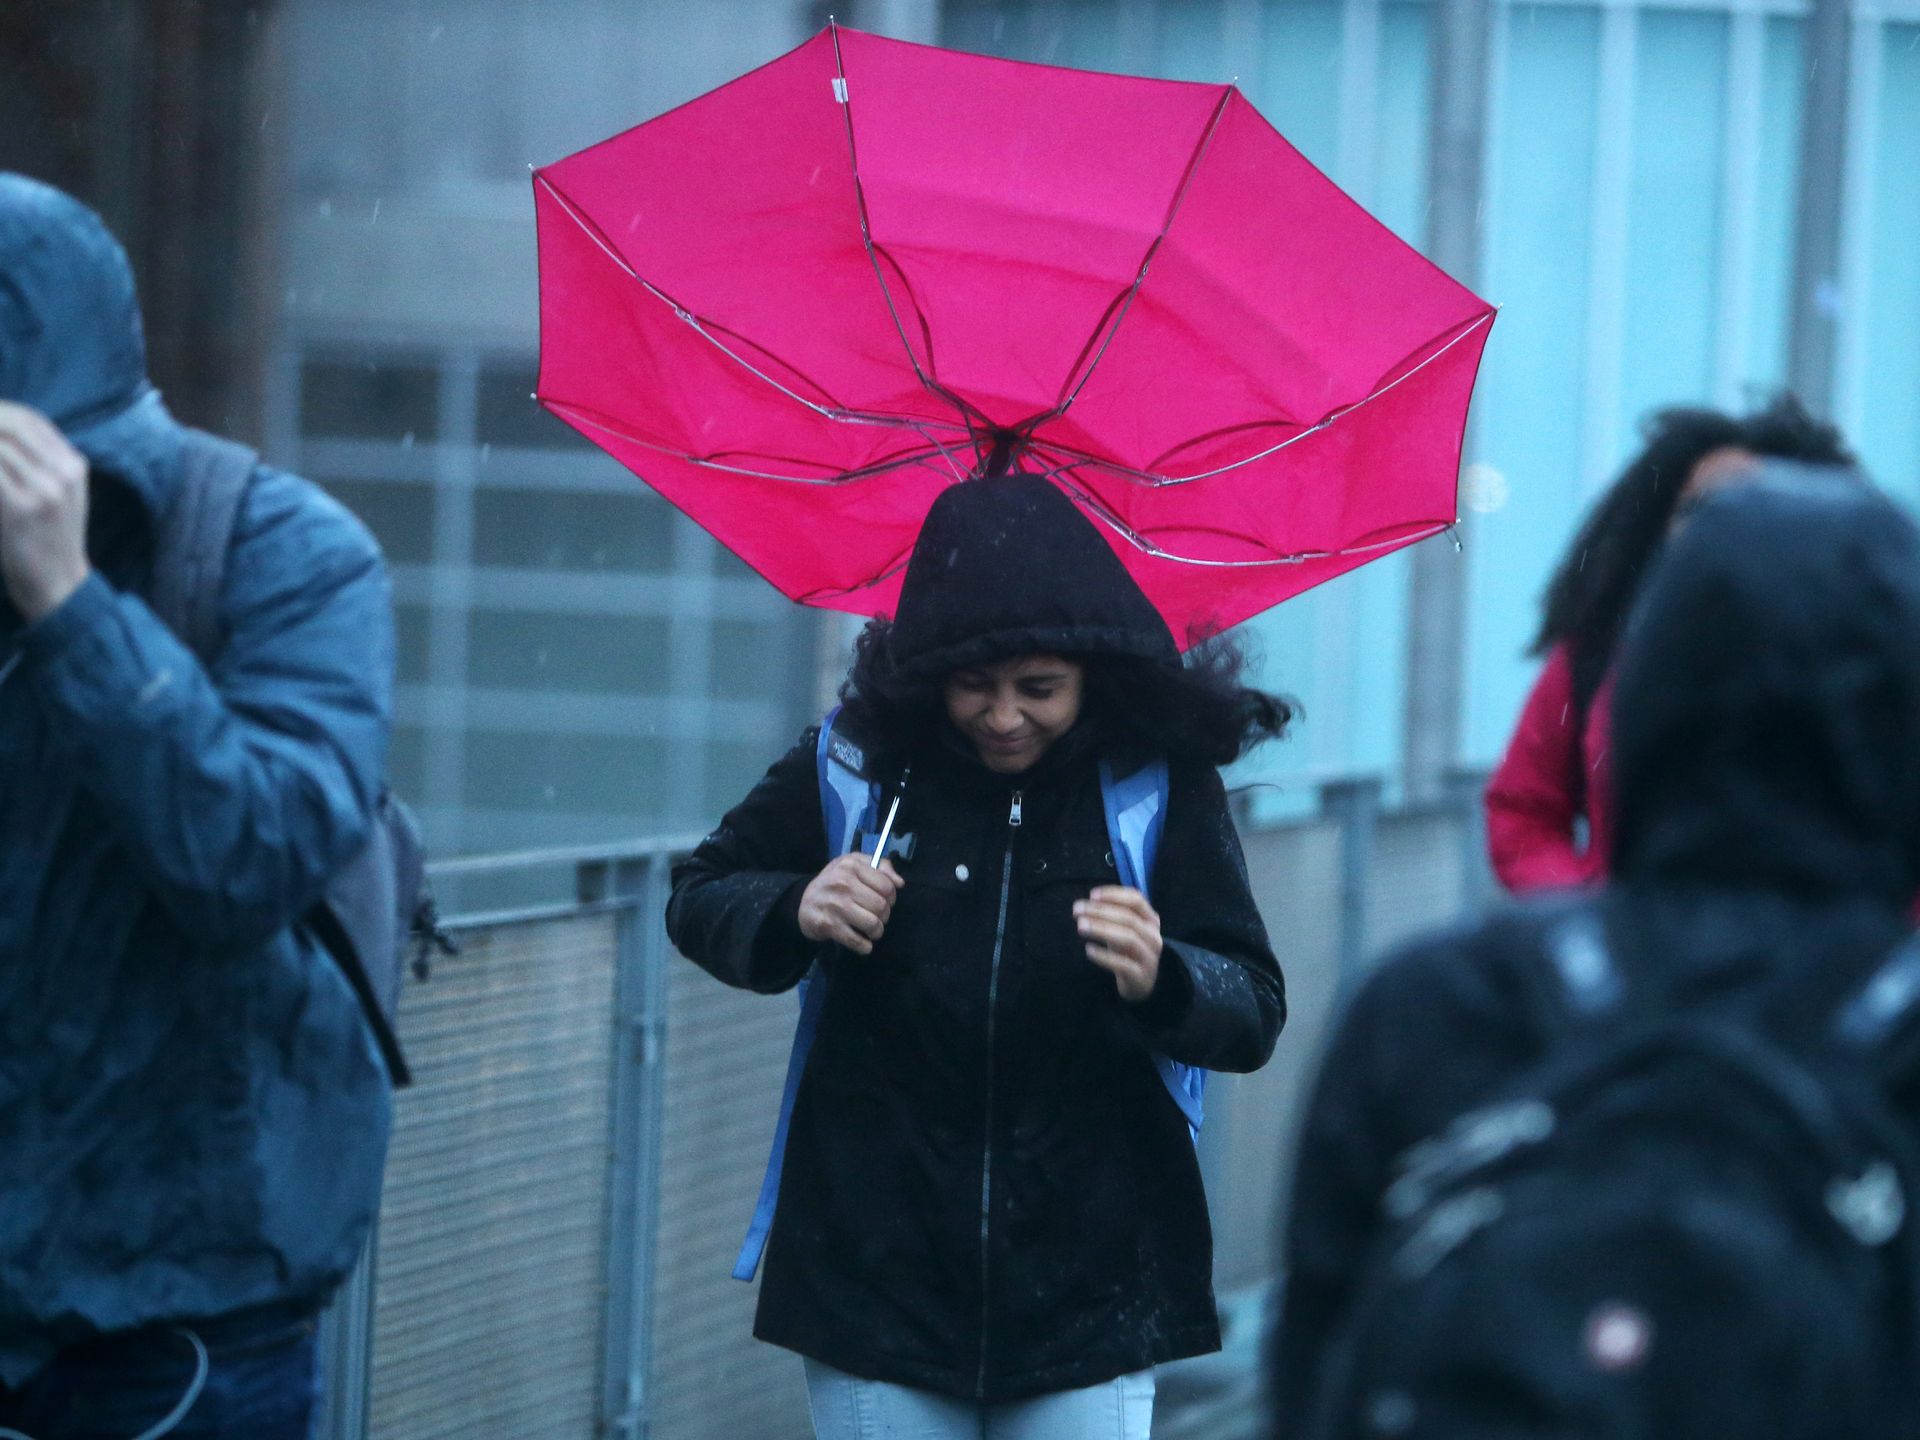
1484, 488
326, 208
406, 441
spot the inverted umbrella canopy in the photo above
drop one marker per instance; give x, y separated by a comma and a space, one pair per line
803, 304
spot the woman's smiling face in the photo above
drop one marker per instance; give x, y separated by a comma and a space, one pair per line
1013, 710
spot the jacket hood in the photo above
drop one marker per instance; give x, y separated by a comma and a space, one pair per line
71, 342
1009, 565
1767, 714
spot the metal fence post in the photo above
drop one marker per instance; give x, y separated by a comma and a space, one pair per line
1478, 888
346, 1352
1355, 804
637, 1080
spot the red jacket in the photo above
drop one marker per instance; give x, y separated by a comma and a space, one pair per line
1548, 779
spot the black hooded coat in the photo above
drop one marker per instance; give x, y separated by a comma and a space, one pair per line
987, 1191
1766, 724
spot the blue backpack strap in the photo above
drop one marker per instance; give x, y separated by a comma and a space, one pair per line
847, 803
1136, 807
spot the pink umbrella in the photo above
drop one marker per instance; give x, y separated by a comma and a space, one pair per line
803, 304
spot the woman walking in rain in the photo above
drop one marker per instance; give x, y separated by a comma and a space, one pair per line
1548, 821
990, 1219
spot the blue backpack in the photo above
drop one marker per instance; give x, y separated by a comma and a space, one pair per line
1136, 810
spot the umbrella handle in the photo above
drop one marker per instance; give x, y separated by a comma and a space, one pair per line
886, 830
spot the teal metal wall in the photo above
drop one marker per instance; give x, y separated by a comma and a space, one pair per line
1639, 213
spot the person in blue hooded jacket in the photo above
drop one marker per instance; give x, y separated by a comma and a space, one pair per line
193, 1110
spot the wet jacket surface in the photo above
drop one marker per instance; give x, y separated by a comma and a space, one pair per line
1555, 773
1766, 846
988, 1192
193, 1111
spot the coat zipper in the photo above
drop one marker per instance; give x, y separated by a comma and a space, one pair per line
986, 1148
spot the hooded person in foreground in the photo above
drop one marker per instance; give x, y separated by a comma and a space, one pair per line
193, 1111
1766, 850
990, 1219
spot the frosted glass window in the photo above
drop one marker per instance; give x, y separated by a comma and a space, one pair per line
569, 784
1889, 438
371, 399
1341, 649
399, 513
412, 625
581, 654
1673, 228
1530, 400
1189, 43
1296, 81
1084, 34
1770, 301
551, 530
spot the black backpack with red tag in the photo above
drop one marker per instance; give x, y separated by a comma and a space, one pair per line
1676, 1227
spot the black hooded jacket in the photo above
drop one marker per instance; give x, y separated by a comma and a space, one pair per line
1766, 723
987, 1191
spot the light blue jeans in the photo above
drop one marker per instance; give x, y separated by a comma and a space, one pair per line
847, 1408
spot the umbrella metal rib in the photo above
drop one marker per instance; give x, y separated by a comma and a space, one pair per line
575, 414
839, 413
841, 95
1027, 427
1155, 480
1099, 510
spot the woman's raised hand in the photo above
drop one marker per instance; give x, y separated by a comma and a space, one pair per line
850, 902
1122, 932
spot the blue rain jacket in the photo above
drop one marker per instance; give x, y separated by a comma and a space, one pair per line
193, 1112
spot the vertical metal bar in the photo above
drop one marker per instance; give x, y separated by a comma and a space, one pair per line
1355, 806
1607, 257
452, 591
1739, 202
1813, 341
1436, 629
1478, 887
690, 636
345, 1347
633, 1208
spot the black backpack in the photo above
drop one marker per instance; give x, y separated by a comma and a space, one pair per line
379, 906
1675, 1227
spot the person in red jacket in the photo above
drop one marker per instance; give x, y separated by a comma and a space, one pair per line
1547, 803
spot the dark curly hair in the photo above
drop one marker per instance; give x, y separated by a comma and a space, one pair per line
1588, 598
1198, 711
